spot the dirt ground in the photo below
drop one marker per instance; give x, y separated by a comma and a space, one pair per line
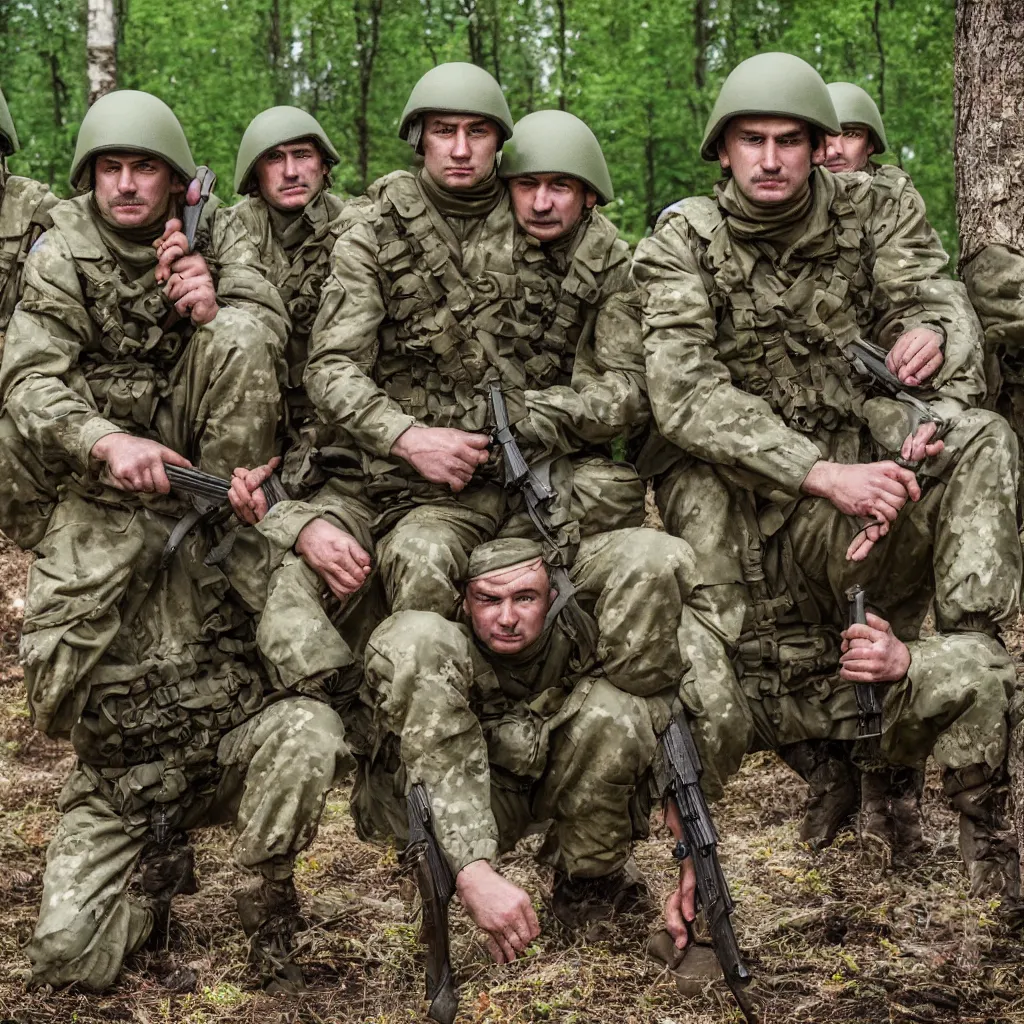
839, 936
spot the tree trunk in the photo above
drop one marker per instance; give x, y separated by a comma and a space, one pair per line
101, 48
988, 100
367, 24
989, 107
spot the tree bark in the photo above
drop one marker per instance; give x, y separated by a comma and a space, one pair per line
988, 100
989, 107
101, 48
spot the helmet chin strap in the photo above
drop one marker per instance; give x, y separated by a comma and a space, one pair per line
415, 136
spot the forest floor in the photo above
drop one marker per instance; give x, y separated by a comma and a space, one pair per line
839, 936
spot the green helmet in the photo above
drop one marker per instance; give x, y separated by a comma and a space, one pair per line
774, 84
855, 106
8, 136
557, 142
274, 127
457, 88
133, 121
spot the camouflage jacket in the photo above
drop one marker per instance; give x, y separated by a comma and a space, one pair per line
24, 215
745, 343
995, 283
94, 340
585, 304
296, 265
420, 316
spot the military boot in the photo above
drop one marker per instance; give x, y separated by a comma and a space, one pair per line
270, 918
876, 820
167, 869
988, 846
907, 786
834, 793
580, 902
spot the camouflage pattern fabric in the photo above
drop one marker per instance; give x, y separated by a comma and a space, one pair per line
544, 734
294, 248
273, 774
24, 215
93, 351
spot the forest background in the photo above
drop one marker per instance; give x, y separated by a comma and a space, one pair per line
642, 73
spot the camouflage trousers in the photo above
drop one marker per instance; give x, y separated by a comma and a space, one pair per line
99, 542
275, 773
308, 635
958, 545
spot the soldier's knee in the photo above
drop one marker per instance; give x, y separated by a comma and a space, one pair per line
613, 732
236, 339
985, 429
653, 556
415, 645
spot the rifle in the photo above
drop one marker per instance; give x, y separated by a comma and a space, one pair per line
437, 886
701, 843
207, 492
869, 704
869, 361
191, 215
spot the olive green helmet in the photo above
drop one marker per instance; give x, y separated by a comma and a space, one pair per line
275, 127
557, 142
855, 106
457, 88
8, 136
133, 121
773, 84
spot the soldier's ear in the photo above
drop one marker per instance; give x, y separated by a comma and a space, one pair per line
590, 200
819, 144
723, 156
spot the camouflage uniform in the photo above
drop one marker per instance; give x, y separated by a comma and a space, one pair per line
504, 743
745, 326
24, 215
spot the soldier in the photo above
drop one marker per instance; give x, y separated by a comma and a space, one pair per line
888, 797
507, 723
284, 171
576, 269
862, 135
122, 355
750, 303
24, 215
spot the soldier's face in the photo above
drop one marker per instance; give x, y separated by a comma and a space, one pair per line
849, 151
459, 149
770, 157
507, 610
290, 175
133, 190
549, 206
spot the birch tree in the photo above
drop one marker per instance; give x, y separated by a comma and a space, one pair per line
101, 48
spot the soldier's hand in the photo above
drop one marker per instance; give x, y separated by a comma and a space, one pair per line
919, 445
875, 491
872, 653
499, 908
336, 556
170, 247
916, 356
191, 289
246, 492
681, 905
135, 463
443, 455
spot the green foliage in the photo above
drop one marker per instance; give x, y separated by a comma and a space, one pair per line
642, 73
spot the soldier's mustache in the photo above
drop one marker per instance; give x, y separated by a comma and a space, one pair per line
126, 202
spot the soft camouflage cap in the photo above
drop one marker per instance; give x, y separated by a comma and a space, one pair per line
855, 106
457, 88
557, 142
501, 554
135, 122
8, 136
275, 127
773, 84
